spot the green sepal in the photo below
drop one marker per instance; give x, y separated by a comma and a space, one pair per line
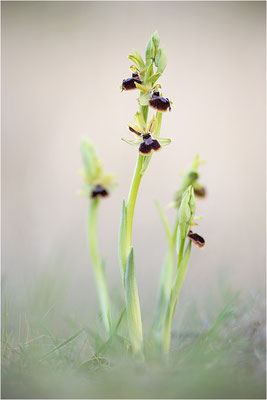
143, 88
133, 305
134, 142
164, 141
162, 60
122, 241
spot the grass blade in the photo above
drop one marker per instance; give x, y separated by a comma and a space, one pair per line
70, 339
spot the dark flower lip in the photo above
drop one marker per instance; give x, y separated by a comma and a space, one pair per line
159, 103
196, 239
148, 145
200, 192
129, 83
99, 191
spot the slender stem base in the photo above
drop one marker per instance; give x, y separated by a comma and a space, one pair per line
100, 275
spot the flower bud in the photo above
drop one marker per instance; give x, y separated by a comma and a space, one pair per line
186, 212
150, 51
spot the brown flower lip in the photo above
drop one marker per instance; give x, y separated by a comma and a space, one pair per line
129, 83
200, 192
99, 191
159, 103
148, 145
196, 239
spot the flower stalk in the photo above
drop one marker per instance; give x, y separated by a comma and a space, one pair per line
170, 283
148, 141
97, 185
98, 265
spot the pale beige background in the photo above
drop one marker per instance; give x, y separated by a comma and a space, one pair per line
62, 66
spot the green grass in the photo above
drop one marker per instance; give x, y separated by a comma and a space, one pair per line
218, 351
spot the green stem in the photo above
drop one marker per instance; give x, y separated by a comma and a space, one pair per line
100, 276
165, 285
130, 283
177, 285
134, 191
131, 202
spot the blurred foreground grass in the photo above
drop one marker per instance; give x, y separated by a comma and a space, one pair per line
47, 353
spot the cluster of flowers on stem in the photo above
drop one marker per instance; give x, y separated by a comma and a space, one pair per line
144, 78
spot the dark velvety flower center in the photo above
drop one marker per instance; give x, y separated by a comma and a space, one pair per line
129, 83
196, 239
159, 103
99, 191
148, 145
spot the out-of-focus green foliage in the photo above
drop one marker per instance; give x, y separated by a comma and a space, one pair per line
46, 353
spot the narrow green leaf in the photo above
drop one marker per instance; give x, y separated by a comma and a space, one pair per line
164, 221
179, 279
122, 241
114, 333
133, 305
63, 343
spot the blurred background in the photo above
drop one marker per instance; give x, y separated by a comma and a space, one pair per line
62, 65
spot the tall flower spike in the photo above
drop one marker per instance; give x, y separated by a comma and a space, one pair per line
145, 138
96, 182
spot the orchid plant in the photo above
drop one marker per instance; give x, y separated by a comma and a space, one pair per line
144, 78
